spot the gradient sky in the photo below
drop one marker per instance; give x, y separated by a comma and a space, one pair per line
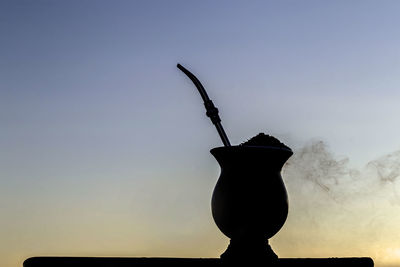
104, 143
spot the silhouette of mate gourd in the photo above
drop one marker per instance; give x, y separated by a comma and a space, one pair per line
249, 205
249, 202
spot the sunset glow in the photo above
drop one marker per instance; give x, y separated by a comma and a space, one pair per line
104, 143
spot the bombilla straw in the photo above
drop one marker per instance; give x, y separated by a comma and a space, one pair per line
212, 111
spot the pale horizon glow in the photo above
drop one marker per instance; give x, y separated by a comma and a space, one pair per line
104, 143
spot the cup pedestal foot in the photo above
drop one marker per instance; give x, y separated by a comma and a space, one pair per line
249, 250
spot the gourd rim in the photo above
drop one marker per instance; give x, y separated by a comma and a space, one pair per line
243, 148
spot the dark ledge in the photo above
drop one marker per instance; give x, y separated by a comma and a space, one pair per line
125, 262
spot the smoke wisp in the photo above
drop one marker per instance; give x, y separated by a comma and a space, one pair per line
339, 210
316, 164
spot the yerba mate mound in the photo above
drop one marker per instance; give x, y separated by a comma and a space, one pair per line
264, 140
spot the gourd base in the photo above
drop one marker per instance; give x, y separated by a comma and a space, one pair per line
241, 250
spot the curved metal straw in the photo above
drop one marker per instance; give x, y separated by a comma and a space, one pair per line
212, 111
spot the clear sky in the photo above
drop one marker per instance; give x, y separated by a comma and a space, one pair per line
104, 144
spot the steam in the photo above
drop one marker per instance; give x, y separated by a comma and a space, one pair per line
387, 171
336, 209
315, 163
387, 167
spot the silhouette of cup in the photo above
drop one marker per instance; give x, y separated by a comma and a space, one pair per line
249, 203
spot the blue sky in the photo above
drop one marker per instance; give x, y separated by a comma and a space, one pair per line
98, 124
